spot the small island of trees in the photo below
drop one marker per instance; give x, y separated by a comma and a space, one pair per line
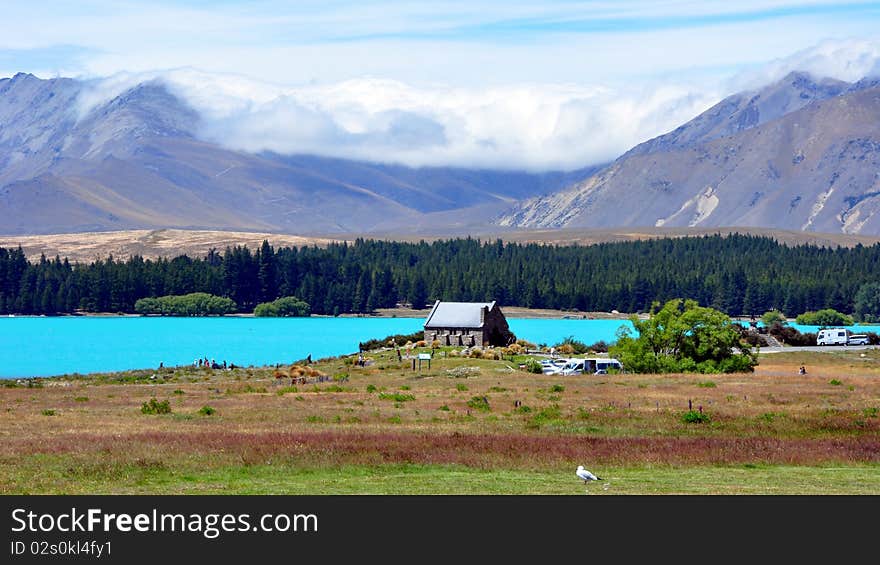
287, 307
193, 304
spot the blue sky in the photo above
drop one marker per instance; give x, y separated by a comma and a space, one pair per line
493, 74
448, 42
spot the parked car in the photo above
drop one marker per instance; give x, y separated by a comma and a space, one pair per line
858, 339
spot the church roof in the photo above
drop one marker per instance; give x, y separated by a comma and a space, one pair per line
457, 314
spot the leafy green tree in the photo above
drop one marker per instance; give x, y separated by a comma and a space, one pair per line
825, 317
683, 337
287, 307
773, 316
867, 303
193, 304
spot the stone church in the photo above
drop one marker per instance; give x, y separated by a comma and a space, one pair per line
468, 324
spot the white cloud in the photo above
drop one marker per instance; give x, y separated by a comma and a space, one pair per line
844, 59
487, 83
524, 126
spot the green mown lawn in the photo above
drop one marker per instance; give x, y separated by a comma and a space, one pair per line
427, 479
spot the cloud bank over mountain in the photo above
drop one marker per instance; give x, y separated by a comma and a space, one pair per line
488, 83
521, 126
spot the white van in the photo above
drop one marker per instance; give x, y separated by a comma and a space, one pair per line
832, 336
593, 366
603, 365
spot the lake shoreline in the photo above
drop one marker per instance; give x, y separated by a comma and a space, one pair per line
510, 312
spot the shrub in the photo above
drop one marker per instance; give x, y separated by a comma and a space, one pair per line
707, 384
825, 317
372, 344
791, 336
193, 304
48, 412
480, 403
286, 307
371, 389
396, 396
545, 416
81, 399
773, 317
178, 391
683, 337
695, 417
835, 382
557, 388
206, 411
497, 389
156, 407
461, 387
533, 366
571, 345
445, 408
522, 409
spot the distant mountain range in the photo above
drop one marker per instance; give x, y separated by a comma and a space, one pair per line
800, 154
136, 162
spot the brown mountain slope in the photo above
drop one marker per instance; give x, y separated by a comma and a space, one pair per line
816, 168
137, 161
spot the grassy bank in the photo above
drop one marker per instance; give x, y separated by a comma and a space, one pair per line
467, 425
54, 476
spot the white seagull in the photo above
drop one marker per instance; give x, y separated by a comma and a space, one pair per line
586, 475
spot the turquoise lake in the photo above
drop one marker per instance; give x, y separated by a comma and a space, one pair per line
45, 346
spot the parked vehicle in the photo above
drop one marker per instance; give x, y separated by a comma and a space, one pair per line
833, 336
553, 366
858, 339
604, 365
592, 366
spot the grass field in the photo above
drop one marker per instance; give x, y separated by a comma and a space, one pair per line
88, 246
466, 426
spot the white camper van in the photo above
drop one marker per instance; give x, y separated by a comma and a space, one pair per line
593, 366
832, 336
